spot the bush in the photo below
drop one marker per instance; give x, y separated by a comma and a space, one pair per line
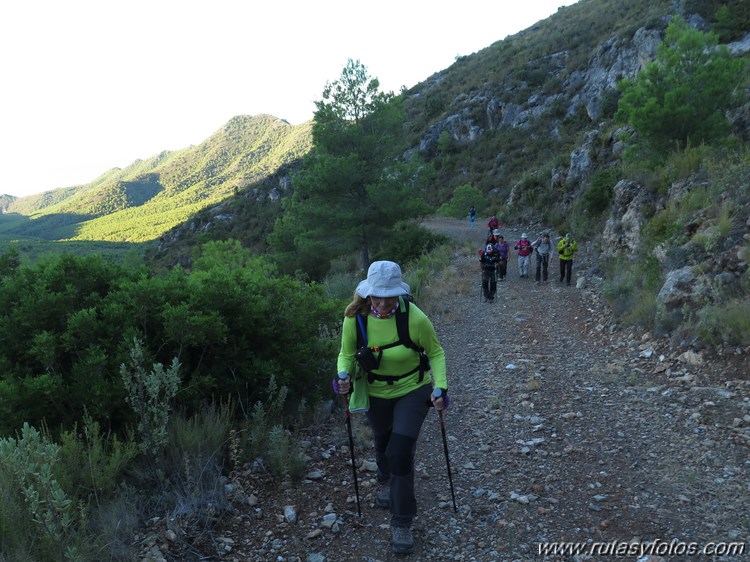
267, 442
92, 464
597, 198
201, 434
464, 196
150, 394
196, 457
408, 243
37, 515
69, 323
632, 288
725, 323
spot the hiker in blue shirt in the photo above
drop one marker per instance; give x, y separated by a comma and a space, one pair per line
472, 215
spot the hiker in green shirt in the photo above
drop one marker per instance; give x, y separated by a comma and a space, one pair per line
566, 247
404, 373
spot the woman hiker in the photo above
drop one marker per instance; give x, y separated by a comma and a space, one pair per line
503, 250
397, 384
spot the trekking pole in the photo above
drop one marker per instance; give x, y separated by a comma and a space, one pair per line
351, 445
438, 393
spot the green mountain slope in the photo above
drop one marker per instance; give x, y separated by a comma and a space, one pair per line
141, 202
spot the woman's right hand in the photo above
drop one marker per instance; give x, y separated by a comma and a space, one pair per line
345, 385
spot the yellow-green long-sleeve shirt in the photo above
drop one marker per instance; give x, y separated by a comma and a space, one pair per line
396, 360
566, 248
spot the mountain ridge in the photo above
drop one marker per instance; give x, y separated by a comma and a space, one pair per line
165, 189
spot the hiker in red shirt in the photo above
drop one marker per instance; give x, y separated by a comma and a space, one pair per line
493, 223
525, 249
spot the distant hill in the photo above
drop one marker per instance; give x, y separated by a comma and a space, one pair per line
144, 200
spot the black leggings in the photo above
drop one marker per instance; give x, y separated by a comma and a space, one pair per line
502, 268
489, 283
542, 261
566, 270
396, 423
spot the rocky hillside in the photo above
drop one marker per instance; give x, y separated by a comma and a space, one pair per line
530, 121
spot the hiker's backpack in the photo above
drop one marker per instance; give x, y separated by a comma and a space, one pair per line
402, 328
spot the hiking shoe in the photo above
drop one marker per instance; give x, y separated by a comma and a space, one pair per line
402, 540
383, 499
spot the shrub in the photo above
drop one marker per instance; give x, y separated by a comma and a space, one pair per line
150, 394
725, 323
663, 226
410, 242
284, 456
45, 517
92, 464
420, 272
597, 197
641, 310
196, 459
266, 441
464, 196
681, 164
201, 436
632, 288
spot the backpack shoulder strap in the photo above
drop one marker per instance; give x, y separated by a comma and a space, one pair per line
402, 323
361, 330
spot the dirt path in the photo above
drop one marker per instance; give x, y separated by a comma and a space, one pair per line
562, 428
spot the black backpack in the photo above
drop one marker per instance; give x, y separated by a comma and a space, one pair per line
402, 328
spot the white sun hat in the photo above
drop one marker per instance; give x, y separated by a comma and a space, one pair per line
383, 280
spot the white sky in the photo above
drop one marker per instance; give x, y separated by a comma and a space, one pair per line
88, 85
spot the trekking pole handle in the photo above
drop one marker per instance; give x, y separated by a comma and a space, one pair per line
439, 393
342, 376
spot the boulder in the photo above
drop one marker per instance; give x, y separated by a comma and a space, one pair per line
675, 295
622, 231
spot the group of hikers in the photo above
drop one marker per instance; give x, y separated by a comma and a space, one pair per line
494, 256
391, 366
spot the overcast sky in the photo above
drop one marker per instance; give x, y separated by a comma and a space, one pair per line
88, 85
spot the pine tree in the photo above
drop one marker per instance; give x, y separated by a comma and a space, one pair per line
354, 188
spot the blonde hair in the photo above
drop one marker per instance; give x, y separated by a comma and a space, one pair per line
359, 304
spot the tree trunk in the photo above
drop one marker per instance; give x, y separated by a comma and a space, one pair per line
364, 252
